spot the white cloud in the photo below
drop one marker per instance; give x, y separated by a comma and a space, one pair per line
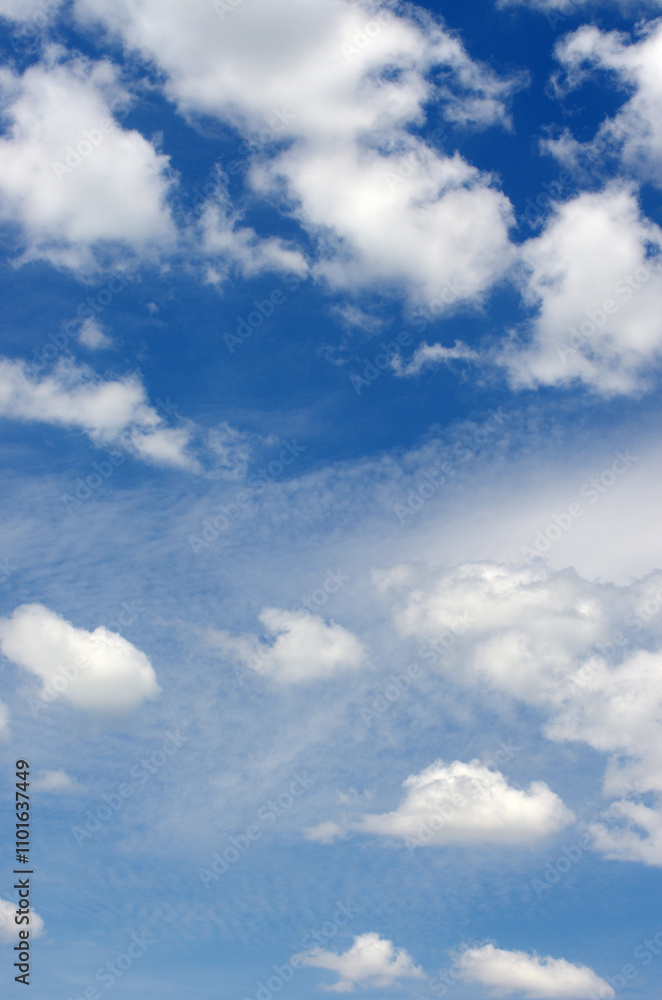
74, 181
634, 133
429, 355
36, 11
326, 92
232, 451
8, 928
567, 7
371, 961
304, 647
567, 646
4, 721
508, 972
97, 671
112, 413
462, 803
231, 245
597, 286
55, 783
92, 336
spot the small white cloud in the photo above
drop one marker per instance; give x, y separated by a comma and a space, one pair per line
371, 961
461, 803
305, 647
55, 783
113, 413
508, 972
429, 355
97, 671
8, 928
91, 335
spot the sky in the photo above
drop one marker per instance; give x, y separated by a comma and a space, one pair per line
330, 562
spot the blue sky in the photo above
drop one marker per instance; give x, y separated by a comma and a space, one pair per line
330, 564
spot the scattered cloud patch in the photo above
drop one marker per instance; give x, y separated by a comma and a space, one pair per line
586, 653
633, 136
330, 121
92, 336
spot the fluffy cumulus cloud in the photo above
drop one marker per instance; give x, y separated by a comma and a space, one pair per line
585, 653
595, 276
508, 972
634, 134
72, 180
8, 928
462, 803
113, 413
97, 671
326, 93
304, 647
372, 961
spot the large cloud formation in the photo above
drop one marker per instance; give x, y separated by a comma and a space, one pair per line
325, 93
586, 653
